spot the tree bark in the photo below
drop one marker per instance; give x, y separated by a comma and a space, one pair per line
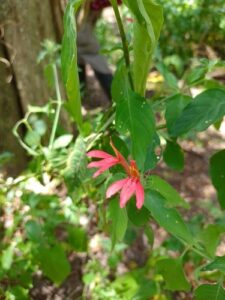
24, 25
10, 113
27, 24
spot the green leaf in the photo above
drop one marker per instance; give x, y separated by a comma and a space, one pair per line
173, 156
32, 139
77, 238
197, 75
16, 293
169, 77
209, 291
134, 115
76, 164
118, 217
69, 61
174, 107
120, 83
217, 173
125, 285
54, 263
7, 257
33, 231
206, 109
63, 141
146, 291
147, 29
152, 158
210, 237
167, 217
138, 217
40, 127
172, 271
150, 235
217, 264
173, 198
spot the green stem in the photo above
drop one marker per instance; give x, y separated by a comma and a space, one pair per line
58, 107
100, 131
186, 249
191, 247
124, 40
17, 135
162, 126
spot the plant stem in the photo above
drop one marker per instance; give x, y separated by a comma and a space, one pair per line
162, 126
58, 107
124, 40
191, 247
17, 135
100, 131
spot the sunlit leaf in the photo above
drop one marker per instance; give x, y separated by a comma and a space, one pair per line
149, 16
206, 109
69, 61
63, 141
7, 257
32, 138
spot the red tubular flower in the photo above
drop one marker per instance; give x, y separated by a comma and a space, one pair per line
107, 161
127, 186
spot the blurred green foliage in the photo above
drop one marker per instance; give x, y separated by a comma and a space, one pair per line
189, 27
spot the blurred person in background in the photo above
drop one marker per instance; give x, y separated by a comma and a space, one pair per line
88, 46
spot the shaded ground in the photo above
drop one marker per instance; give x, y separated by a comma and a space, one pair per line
194, 183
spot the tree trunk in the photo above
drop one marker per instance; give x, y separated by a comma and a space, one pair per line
24, 25
10, 113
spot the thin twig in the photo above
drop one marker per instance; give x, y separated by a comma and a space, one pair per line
124, 40
58, 107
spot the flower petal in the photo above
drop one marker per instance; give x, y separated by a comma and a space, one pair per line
140, 195
115, 187
104, 168
102, 162
98, 154
127, 191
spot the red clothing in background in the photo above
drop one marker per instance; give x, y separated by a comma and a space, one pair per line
100, 4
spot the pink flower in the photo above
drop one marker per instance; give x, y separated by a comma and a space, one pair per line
127, 186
